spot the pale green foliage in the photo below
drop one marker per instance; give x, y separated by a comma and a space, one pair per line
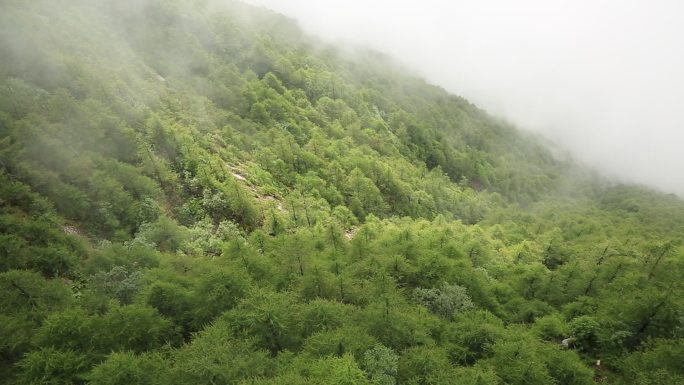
205, 238
117, 283
448, 301
380, 364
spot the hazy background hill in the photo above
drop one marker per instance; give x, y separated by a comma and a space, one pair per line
600, 79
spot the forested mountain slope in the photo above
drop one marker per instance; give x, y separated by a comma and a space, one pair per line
193, 192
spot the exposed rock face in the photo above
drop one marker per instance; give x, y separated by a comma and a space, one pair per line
72, 230
569, 343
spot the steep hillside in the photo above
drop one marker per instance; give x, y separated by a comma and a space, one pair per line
195, 192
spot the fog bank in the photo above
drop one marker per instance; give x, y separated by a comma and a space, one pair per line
603, 79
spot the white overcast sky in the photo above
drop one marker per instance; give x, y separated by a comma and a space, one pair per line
602, 78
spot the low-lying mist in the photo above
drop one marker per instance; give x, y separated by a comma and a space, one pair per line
602, 79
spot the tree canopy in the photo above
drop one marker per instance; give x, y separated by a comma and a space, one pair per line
194, 192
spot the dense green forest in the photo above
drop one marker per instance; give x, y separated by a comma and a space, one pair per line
195, 193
